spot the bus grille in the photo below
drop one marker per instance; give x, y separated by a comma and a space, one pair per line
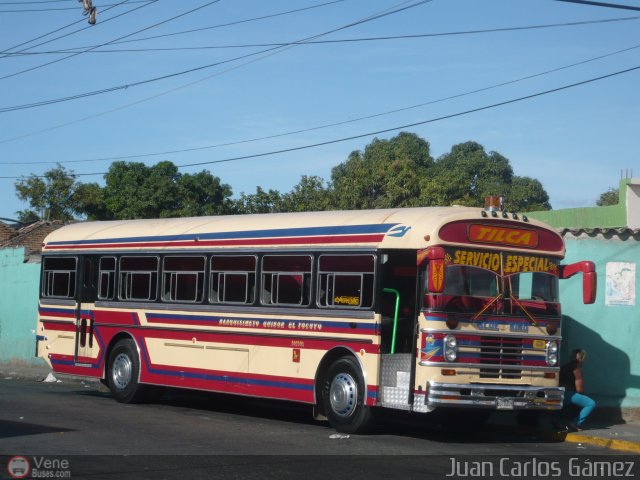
505, 351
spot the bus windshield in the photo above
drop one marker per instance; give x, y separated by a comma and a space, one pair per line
535, 286
470, 281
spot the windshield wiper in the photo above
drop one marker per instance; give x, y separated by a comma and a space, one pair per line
484, 309
527, 313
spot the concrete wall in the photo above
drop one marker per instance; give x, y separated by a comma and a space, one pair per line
625, 214
18, 307
610, 334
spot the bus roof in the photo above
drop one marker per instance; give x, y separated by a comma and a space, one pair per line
408, 228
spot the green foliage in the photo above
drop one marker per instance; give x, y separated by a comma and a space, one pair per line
310, 194
259, 202
610, 197
134, 190
398, 172
50, 196
387, 174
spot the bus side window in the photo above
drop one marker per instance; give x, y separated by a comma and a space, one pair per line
59, 277
345, 281
138, 278
106, 278
286, 280
183, 279
233, 279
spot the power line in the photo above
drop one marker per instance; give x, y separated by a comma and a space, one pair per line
387, 130
62, 28
119, 38
189, 31
39, 10
202, 67
343, 122
602, 4
345, 40
38, 2
320, 127
229, 24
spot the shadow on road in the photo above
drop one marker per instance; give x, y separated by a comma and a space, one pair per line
9, 428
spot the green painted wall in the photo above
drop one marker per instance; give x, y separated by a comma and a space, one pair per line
613, 216
18, 307
609, 333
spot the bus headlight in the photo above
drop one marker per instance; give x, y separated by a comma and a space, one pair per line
450, 348
552, 353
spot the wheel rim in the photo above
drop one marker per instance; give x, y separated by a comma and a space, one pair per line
121, 371
343, 395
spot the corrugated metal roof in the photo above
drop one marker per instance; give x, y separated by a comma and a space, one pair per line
620, 231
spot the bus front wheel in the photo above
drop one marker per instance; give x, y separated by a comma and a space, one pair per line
123, 372
344, 397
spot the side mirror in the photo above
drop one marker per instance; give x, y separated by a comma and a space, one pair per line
434, 256
589, 278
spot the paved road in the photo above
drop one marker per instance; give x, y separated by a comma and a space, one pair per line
73, 418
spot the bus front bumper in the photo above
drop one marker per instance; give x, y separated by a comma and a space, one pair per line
493, 396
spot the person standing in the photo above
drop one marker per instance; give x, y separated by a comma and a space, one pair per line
572, 379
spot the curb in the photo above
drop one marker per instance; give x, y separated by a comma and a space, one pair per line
554, 436
610, 443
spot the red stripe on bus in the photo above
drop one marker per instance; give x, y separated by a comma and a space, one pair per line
367, 238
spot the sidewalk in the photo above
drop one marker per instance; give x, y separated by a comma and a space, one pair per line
623, 437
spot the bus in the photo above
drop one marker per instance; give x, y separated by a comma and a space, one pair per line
349, 311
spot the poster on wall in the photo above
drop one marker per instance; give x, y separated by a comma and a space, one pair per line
621, 284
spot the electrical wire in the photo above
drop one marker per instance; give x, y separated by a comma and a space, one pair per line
119, 38
343, 122
602, 4
39, 10
205, 28
202, 67
344, 40
68, 34
386, 130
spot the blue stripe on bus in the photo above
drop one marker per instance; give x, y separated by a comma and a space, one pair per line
276, 232
221, 378
216, 320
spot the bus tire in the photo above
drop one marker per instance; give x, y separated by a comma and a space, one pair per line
344, 397
123, 372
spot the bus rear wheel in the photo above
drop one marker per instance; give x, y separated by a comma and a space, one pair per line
123, 372
344, 397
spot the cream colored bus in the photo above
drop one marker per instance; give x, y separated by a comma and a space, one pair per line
349, 311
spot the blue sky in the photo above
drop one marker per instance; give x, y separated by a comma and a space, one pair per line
576, 141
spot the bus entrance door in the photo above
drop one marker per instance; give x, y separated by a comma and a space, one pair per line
84, 312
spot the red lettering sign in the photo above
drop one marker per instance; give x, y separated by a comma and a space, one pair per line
517, 237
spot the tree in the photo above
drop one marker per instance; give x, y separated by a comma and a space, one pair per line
202, 194
527, 195
50, 196
387, 174
468, 174
134, 190
259, 202
310, 194
610, 197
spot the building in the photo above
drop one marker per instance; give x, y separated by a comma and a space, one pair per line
609, 329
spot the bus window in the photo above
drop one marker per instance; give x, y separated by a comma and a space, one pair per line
462, 280
233, 279
345, 281
107, 278
537, 286
286, 280
138, 278
59, 277
183, 279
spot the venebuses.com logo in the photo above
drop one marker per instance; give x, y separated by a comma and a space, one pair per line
38, 467
18, 467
